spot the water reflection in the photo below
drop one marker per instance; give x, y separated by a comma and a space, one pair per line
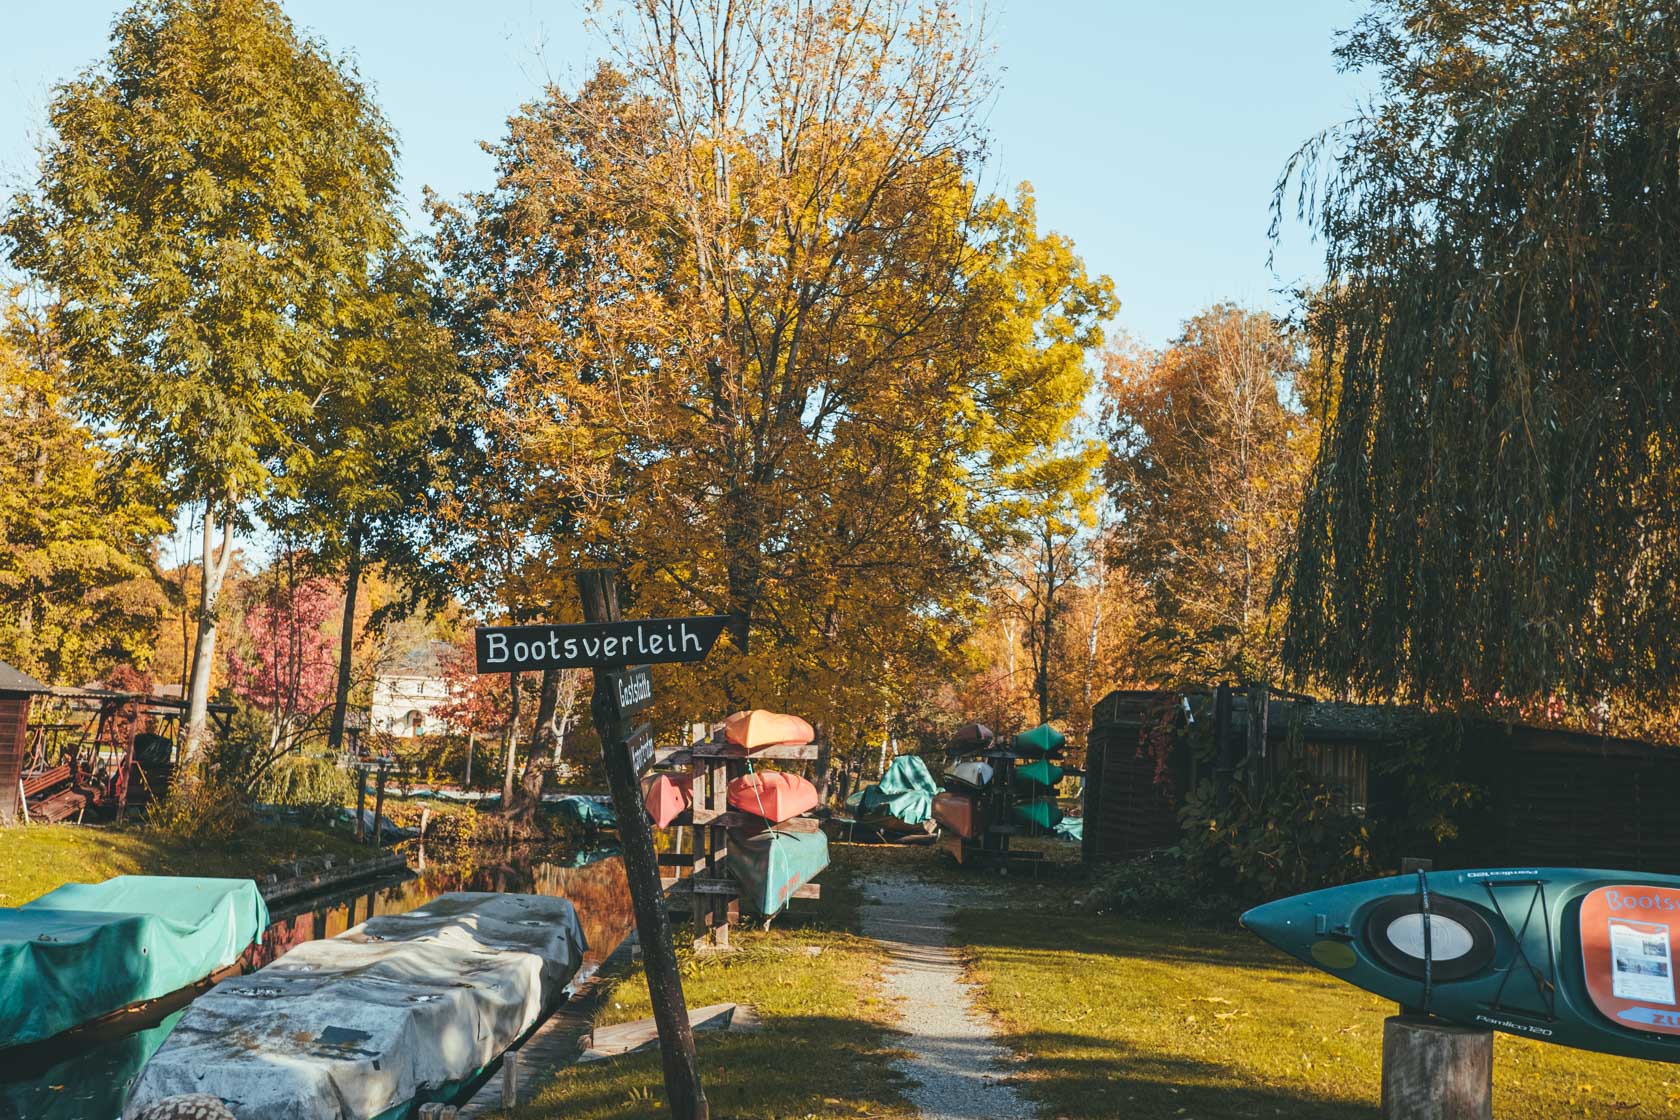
89, 1081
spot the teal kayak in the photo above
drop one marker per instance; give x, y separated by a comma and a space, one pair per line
1578, 957
769, 866
88, 949
1042, 739
1040, 774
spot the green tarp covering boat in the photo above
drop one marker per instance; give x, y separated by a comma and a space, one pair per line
88, 949
1040, 774
1042, 739
770, 866
1042, 814
1070, 828
590, 812
904, 794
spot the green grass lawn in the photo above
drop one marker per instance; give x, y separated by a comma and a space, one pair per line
825, 1048
38, 857
1113, 1017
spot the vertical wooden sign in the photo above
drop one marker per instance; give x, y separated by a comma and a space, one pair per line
617, 696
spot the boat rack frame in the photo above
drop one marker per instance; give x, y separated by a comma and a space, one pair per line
702, 879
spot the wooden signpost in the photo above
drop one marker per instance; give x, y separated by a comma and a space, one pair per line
619, 651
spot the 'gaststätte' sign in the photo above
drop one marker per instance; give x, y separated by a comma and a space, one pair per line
591, 645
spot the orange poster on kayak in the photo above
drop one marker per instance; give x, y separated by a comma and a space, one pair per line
1628, 939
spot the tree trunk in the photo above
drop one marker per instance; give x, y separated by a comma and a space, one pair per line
346, 637
823, 755
512, 742
204, 649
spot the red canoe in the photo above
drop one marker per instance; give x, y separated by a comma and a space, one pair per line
772, 794
667, 797
759, 728
959, 813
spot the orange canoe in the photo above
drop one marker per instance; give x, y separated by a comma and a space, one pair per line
667, 797
959, 813
773, 795
759, 728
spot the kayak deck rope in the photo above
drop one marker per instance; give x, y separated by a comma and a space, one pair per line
1544, 981
1428, 942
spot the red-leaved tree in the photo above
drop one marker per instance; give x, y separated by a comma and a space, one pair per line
293, 654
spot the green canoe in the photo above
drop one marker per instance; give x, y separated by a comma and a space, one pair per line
88, 949
1042, 739
1040, 774
1039, 815
1573, 956
770, 866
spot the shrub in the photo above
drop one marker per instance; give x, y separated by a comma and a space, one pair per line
315, 785
1159, 886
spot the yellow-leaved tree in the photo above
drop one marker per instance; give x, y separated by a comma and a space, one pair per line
763, 345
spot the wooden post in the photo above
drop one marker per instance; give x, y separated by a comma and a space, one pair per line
1223, 763
472, 741
361, 803
1258, 709
510, 1079
379, 806
1435, 1071
598, 589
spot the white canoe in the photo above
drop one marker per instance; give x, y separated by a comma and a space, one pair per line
973, 775
402, 1008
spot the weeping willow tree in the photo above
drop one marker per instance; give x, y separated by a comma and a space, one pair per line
1494, 515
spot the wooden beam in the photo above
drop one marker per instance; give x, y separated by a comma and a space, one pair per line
797, 752
598, 590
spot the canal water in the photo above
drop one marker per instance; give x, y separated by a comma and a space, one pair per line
88, 1078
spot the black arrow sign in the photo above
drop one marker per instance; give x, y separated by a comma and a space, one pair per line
640, 747
593, 645
631, 690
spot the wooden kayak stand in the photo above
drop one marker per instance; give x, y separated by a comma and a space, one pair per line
991, 847
712, 896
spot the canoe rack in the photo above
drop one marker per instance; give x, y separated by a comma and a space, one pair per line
991, 846
702, 881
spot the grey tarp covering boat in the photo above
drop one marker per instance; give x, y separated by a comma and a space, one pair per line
402, 1008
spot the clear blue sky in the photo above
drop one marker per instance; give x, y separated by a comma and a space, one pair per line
1152, 131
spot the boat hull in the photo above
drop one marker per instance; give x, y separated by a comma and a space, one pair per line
1582, 958
770, 866
772, 794
960, 813
667, 797
759, 728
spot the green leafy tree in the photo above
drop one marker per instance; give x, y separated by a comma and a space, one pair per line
210, 200
79, 591
1495, 516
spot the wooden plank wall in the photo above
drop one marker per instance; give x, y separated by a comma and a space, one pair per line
1126, 812
14, 719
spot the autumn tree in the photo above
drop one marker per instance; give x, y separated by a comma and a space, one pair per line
1496, 514
287, 672
208, 198
768, 347
1208, 446
79, 589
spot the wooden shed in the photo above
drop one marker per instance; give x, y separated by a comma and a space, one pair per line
17, 691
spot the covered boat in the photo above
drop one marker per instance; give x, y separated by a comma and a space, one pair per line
973, 774
1568, 955
770, 866
759, 728
401, 1010
772, 794
902, 801
1041, 740
590, 812
960, 813
667, 797
86, 950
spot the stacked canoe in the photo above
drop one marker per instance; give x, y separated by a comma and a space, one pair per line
1002, 785
901, 802
773, 849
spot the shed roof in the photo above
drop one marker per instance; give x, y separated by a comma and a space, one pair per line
15, 680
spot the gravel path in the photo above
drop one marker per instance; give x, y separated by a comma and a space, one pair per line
956, 1062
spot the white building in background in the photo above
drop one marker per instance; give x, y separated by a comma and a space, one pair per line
406, 696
